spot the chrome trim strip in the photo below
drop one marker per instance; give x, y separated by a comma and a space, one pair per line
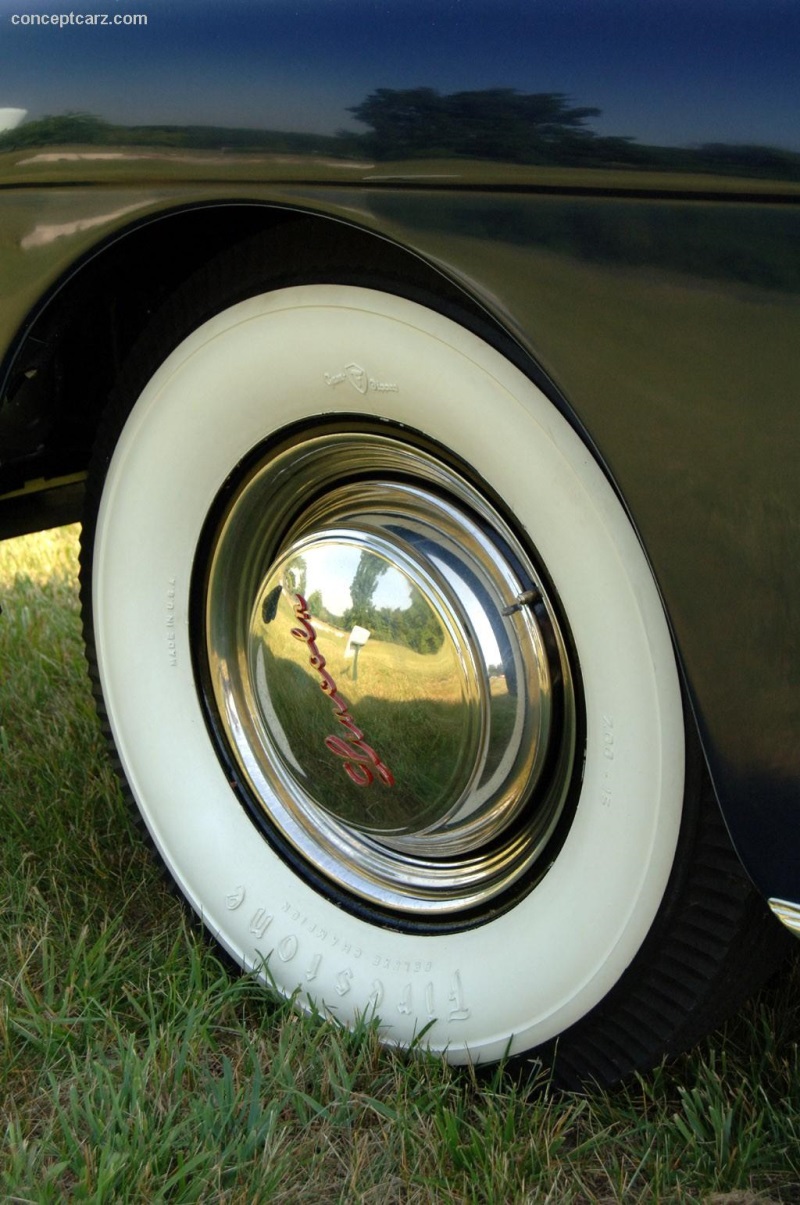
788, 913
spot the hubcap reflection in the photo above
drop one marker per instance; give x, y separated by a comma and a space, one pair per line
387, 672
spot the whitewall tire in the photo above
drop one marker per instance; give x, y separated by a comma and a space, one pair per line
321, 425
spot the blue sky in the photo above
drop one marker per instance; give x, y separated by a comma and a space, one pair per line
664, 71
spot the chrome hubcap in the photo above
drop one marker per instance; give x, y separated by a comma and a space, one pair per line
387, 672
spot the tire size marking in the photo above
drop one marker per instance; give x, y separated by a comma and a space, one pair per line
608, 738
606, 797
172, 646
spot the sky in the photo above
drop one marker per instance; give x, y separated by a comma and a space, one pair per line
669, 72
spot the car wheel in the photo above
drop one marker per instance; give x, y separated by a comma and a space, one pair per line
390, 682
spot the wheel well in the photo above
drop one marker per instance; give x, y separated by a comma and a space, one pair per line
66, 365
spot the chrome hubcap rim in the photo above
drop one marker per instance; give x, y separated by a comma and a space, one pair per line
387, 672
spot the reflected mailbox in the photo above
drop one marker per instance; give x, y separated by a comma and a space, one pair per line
355, 642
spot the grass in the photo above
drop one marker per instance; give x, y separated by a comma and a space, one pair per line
135, 1067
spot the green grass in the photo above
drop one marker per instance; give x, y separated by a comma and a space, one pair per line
135, 1067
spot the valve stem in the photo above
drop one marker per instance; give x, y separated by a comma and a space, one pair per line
522, 600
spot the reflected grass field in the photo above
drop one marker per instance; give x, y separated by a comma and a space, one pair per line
135, 1066
108, 164
404, 702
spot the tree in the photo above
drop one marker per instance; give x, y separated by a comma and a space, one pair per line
368, 573
76, 128
496, 123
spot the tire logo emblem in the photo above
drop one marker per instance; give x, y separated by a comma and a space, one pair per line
357, 377
360, 379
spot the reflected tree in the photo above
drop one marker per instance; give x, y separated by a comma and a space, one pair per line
495, 123
362, 589
414, 625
